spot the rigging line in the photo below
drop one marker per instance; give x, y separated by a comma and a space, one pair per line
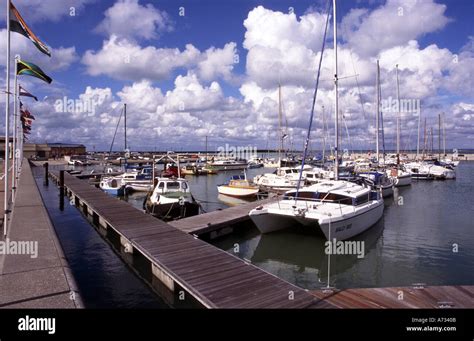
116, 128
314, 100
358, 85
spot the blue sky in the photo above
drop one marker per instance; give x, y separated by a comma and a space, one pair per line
237, 102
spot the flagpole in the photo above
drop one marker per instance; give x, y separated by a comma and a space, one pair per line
15, 131
7, 117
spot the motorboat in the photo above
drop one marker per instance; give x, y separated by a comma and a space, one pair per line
225, 165
238, 186
400, 176
171, 199
112, 186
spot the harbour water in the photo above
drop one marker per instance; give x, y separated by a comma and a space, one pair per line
425, 236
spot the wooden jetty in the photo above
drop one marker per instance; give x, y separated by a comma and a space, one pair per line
26, 281
418, 296
219, 222
215, 278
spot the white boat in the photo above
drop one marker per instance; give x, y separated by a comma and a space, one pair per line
275, 183
339, 209
400, 177
317, 174
224, 165
426, 170
112, 186
379, 181
271, 163
238, 186
171, 199
139, 186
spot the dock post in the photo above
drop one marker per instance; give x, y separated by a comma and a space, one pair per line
46, 174
61, 190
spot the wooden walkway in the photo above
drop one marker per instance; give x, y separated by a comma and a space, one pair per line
216, 220
398, 297
212, 276
40, 278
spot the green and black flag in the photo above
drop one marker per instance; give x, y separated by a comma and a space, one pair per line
25, 68
17, 24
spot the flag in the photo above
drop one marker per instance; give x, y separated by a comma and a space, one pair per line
17, 24
23, 92
26, 114
25, 68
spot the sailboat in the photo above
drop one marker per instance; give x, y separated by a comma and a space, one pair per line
284, 178
397, 174
337, 208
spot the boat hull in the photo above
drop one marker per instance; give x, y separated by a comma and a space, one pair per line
171, 211
238, 192
120, 191
401, 181
341, 229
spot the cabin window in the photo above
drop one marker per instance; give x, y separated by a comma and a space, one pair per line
173, 185
301, 195
361, 200
184, 185
161, 185
337, 198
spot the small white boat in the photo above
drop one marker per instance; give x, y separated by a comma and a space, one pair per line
379, 181
112, 185
225, 165
238, 186
399, 176
171, 199
139, 186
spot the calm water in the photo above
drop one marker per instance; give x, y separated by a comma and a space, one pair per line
103, 279
413, 243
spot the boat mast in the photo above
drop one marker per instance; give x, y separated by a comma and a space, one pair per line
431, 139
206, 148
439, 137
377, 128
125, 123
324, 134
336, 104
418, 140
425, 146
279, 125
398, 117
444, 137
125, 131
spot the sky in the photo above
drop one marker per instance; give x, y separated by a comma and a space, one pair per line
191, 69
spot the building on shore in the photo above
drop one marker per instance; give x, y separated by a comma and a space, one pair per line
52, 150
